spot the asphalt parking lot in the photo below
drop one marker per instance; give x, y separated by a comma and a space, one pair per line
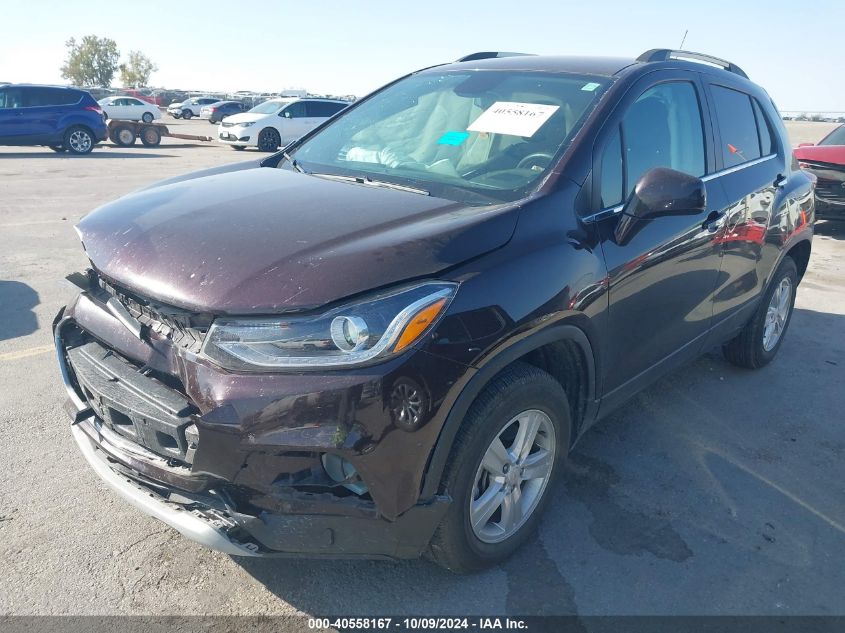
716, 491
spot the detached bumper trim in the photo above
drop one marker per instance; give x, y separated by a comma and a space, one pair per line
180, 520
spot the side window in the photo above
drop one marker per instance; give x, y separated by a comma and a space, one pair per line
663, 128
323, 109
134, 102
10, 98
764, 130
737, 125
295, 110
612, 181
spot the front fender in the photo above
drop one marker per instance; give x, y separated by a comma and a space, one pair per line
509, 351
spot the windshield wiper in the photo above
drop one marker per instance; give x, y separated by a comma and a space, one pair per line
292, 162
366, 180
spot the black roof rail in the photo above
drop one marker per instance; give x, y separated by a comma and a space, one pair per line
665, 54
488, 55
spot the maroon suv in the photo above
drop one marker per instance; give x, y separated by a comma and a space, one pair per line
385, 339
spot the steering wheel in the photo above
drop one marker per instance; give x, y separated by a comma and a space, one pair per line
532, 159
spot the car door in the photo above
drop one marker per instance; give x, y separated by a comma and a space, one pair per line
11, 114
117, 109
661, 280
294, 122
41, 113
135, 108
754, 175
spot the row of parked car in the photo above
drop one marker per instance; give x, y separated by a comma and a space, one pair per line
267, 126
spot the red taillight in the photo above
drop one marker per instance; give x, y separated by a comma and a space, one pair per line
214, 109
96, 109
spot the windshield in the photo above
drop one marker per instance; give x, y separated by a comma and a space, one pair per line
837, 137
268, 107
457, 134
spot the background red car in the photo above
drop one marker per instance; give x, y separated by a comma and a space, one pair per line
827, 162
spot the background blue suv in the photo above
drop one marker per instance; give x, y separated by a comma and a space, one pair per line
64, 119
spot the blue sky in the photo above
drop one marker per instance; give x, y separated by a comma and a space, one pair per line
794, 49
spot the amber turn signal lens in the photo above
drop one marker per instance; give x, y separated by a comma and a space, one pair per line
418, 323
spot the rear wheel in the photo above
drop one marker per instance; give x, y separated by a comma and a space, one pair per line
761, 338
506, 459
78, 140
147, 117
269, 140
150, 137
124, 135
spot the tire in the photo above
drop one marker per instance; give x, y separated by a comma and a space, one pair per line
150, 136
147, 117
58, 148
521, 392
124, 135
187, 114
269, 140
753, 347
79, 140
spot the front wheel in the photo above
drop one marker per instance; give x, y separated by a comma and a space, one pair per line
147, 117
187, 114
78, 140
269, 140
761, 338
506, 459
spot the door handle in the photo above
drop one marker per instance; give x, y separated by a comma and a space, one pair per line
714, 221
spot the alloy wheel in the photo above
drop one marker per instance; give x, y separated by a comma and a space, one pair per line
777, 314
80, 141
512, 476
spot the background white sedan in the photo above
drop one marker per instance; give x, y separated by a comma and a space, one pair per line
129, 108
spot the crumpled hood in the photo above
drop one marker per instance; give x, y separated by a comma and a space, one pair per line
265, 240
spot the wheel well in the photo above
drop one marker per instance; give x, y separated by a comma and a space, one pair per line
564, 361
801, 254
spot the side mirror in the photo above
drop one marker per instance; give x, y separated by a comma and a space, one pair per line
660, 192
806, 144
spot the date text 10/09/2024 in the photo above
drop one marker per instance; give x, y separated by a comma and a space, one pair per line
417, 624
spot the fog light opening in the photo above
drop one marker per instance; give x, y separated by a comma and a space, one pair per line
343, 472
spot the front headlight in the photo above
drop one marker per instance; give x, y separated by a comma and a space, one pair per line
361, 332
247, 124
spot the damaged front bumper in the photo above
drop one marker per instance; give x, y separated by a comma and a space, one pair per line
220, 511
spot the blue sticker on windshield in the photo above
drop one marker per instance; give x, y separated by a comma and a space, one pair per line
453, 138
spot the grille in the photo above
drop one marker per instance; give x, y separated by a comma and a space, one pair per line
831, 190
183, 328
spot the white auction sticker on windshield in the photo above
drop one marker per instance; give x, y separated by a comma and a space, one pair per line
510, 117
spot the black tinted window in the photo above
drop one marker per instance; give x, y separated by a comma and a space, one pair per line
295, 110
737, 125
764, 130
611, 172
11, 98
33, 97
323, 108
663, 129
